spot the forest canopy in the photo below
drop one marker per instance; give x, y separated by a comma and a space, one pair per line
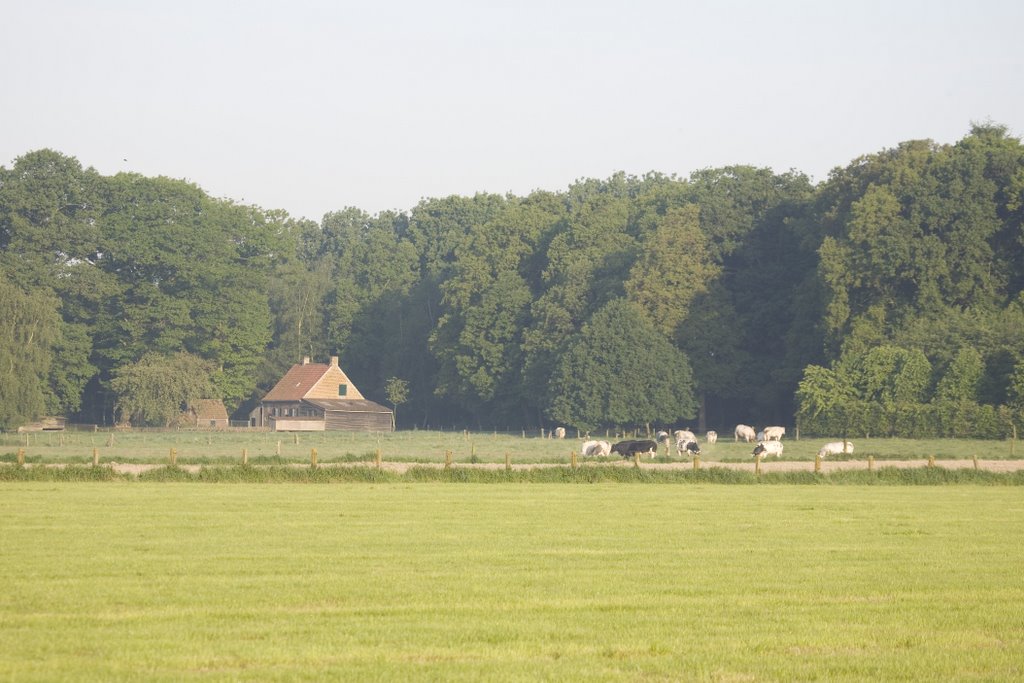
885, 300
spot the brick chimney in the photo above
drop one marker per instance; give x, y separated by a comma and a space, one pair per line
305, 360
334, 361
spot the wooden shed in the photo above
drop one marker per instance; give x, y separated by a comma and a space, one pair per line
318, 397
207, 412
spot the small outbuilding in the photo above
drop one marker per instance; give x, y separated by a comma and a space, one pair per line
318, 397
208, 413
45, 424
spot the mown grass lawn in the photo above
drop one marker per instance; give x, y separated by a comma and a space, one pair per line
434, 581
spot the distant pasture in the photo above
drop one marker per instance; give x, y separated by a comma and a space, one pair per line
421, 446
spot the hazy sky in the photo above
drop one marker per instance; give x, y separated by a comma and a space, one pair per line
314, 106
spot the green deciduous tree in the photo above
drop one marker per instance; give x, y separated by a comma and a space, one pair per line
156, 389
672, 269
621, 371
891, 375
962, 378
29, 332
397, 391
823, 389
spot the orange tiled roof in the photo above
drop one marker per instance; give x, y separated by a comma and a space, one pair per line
297, 382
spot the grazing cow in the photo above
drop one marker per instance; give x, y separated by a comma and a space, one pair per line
688, 446
774, 433
835, 448
627, 449
662, 438
712, 436
559, 432
682, 434
593, 448
766, 448
745, 432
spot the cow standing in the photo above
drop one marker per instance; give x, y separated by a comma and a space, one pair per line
745, 432
628, 449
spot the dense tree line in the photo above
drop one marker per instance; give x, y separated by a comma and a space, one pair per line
884, 300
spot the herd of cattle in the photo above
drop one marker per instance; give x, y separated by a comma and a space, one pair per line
769, 442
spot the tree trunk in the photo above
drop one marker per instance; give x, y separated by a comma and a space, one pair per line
702, 414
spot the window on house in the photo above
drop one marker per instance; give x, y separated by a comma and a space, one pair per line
342, 389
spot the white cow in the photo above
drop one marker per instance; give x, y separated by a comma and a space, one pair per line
835, 448
766, 448
662, 438
559, 432
712, 437
681, 434
744, 432
593, 448
774, 433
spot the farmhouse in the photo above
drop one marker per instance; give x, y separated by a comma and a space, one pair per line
318, 397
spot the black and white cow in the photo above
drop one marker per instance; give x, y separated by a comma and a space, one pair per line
627, 449
688, 446
766, 448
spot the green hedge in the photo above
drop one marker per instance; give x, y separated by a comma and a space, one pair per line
945, 419
581, 475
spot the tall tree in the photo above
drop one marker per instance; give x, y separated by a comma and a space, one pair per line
28, 335
621, 371
50, 242
584, 268
156, 389
962, 379
672, 269
478, 338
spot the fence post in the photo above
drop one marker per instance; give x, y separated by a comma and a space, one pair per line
95, 456
636, 460
931, 461
377, 457
279, 448
447, 460
245, 456
508, 462
572, 459
21, 457
696, 462
312, 458
173, 457
817, 464
757, 464
871, 463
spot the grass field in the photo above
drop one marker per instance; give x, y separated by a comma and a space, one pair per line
146, 581
194, 447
